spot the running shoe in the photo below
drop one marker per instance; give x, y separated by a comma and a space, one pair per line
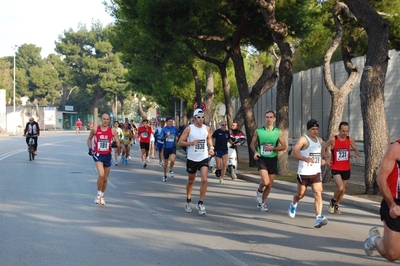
102, 201
200, 207
164, 179
218, 173
320, 221
171, 173
337, 210
144, 164
369, 244
129, 157
97, 199
259, 197
221, 181
292, 210
331, 207
262, 207
188, 207
116, 164
161, 164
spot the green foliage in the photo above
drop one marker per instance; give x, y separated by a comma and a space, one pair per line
95, 65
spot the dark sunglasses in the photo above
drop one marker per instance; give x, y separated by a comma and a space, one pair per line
199, 117
223, 125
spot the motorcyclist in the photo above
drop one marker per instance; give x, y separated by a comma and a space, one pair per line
236, 136
32, 130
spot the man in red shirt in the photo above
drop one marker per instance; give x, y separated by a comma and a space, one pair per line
340, 163
78, 126
144, 133
102, 137
388, 179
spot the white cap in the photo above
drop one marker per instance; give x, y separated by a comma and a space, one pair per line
197, 111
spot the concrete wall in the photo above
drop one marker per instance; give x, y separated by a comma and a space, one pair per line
309, 98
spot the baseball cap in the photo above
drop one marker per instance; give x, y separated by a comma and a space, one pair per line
197, 111
168, 118
312, 123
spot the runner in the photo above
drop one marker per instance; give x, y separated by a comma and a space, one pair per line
78, 126
197, 138
340, 163
266, 143
388, 181
102, 138
308, 151
222, 138
126, 140
144, 133
160, 143
117, 149
169, 134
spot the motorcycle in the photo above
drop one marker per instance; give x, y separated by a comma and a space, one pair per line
232, 162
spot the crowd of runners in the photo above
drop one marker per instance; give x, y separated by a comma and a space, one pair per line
199, 144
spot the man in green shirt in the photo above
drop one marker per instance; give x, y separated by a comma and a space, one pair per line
266, 143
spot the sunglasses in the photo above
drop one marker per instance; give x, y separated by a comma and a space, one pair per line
223, 125
199, 117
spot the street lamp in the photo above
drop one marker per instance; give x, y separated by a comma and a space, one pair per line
15, 50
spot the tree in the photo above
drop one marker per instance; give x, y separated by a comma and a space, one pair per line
6, 80
97, 69
376, 136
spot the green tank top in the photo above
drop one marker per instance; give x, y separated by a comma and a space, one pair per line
267, 138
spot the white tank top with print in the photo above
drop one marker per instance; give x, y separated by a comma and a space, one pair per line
199, 152
314, 151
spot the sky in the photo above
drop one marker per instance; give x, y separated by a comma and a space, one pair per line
40, 22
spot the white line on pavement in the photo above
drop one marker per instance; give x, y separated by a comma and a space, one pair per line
144, 207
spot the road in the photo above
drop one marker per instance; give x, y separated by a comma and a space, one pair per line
47, 216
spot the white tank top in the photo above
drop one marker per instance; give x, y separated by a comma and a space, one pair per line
199, 152
314, 151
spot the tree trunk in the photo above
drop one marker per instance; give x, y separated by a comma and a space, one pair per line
96, 109
114, 107
209, 97
279, 31
376, 135
142, 113
197, 86
339, 95
240, 75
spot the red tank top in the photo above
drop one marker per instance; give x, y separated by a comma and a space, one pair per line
393, 179
103, 140
340, 159
144, 134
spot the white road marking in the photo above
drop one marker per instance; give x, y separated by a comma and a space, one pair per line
145, 207
229, 257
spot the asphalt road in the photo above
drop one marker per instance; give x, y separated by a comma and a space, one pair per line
47, 216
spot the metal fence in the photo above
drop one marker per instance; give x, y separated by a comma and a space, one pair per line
309, 98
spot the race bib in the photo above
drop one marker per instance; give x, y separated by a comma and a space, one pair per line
144, 135
263, 148
316, 158
103, 145
200, 146
342, 155
170, 138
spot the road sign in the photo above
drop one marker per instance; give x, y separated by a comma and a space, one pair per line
203, 106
